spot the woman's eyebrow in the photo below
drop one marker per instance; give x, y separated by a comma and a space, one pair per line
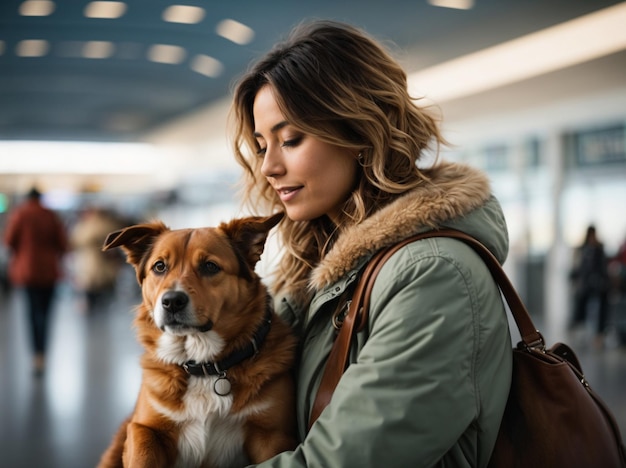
274, 129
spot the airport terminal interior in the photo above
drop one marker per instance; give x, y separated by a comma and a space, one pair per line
122, 108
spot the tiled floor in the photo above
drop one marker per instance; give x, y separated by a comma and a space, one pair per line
66, 418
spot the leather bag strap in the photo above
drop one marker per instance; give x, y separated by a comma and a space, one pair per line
356, 316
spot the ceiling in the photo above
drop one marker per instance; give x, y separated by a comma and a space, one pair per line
97, 79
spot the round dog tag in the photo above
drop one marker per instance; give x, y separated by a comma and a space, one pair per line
222, 386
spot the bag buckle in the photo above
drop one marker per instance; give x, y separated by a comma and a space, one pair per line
539, 344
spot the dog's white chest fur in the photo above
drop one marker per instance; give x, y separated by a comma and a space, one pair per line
208, 429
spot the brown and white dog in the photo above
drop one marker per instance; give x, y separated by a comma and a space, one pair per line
216, 388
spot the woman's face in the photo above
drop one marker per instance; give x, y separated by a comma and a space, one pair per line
312, 178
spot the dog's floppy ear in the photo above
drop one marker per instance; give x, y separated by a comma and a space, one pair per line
248, 235
135, 240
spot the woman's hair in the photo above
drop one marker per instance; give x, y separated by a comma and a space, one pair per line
333, 82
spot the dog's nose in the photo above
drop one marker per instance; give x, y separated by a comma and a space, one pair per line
174, 301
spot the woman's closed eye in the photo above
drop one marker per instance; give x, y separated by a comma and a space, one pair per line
290, 143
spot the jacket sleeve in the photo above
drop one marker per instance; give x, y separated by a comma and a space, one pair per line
412, 392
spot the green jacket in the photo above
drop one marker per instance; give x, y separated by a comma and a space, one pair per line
429, 376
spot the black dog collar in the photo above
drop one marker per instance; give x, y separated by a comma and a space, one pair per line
220, 368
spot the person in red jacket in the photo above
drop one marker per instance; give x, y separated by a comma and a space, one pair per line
37, 240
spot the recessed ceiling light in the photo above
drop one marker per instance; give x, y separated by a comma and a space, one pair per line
163, 53
109, 10
98, 49
235, 31
37, 8
207, 66
32, 48
456, 4
183, 14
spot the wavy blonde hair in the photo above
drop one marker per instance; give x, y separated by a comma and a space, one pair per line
334, 82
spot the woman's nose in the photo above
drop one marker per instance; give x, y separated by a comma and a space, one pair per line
272, 164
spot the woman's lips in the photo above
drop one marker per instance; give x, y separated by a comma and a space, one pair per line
288, 193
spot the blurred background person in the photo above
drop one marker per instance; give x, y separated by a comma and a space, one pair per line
37, 241
95, 271
590, 276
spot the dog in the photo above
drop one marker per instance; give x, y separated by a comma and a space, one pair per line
217, 388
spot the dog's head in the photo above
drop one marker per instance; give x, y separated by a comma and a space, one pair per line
190, 278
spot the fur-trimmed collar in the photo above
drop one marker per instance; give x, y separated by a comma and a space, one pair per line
453, 190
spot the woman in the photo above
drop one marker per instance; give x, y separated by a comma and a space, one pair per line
326, 131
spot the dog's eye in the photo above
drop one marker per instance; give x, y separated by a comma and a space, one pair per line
209, 268
159, 267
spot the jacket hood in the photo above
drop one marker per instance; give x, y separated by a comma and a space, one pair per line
455, 196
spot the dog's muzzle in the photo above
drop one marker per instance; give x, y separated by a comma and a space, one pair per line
175, 305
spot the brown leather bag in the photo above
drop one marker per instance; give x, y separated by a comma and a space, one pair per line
552, 419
